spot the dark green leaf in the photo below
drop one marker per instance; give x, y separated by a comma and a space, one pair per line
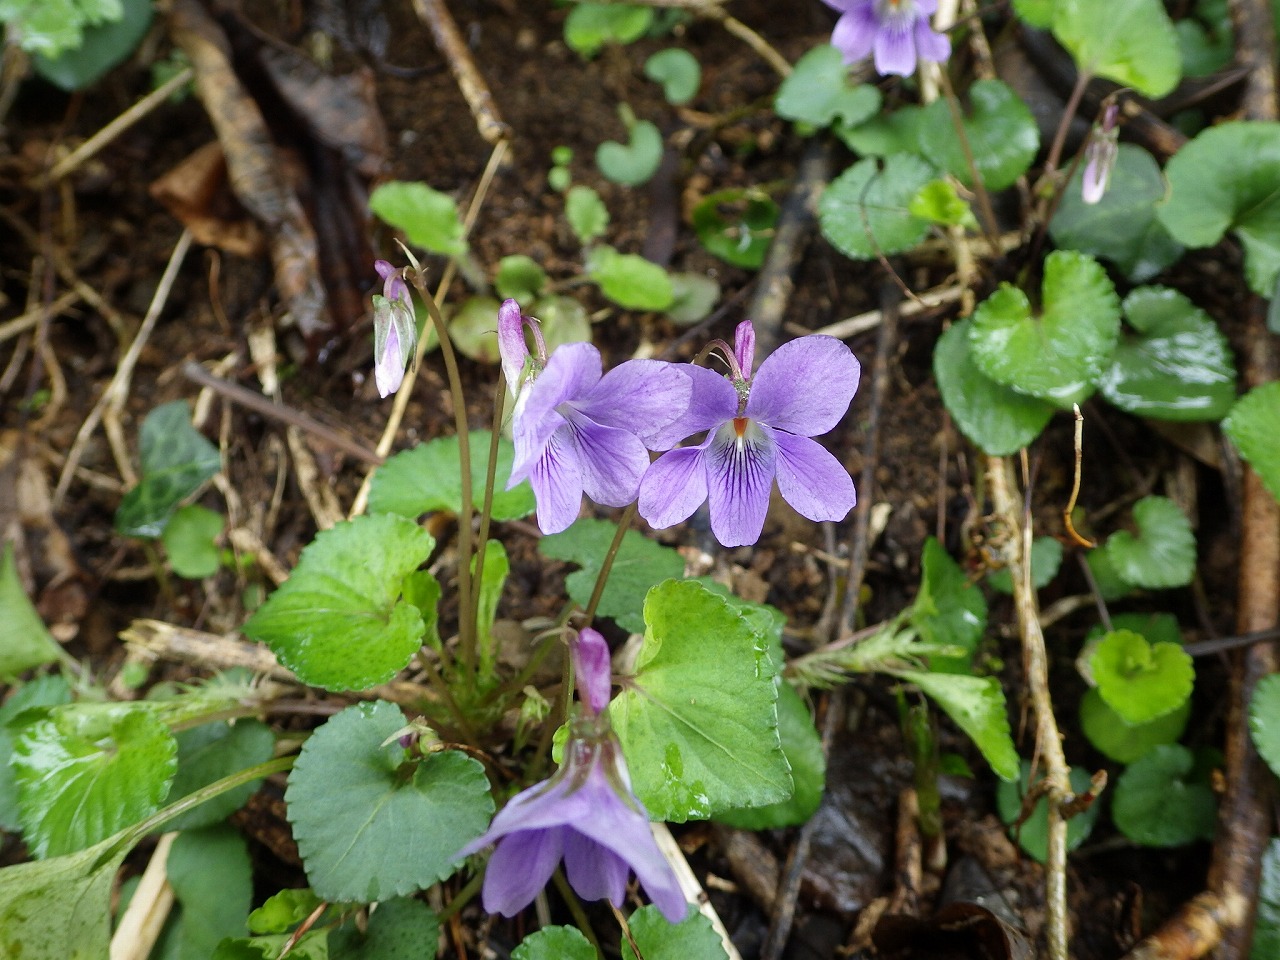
692, 939
398, 930
863, 212
555, 943
1158, 802
887, 132
105, 45
212, 880
1252, 428
1032, 836
176, 462
977, 706
1002, 135
1046, 558
736, 225
820, 90
1264, 720
948, 611
210, 752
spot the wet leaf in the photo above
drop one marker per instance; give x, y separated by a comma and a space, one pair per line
1164, 552
863, 212
1125, 742
820, 91
1157, 801
1001, 132
47, 691
1136, 48
1252, 428
210, 752
1140, 680
977, 706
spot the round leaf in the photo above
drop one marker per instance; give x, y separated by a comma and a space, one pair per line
210, 752
1264, 720
1158, 803
691, 939
1252, 428
1129, 41
1001, 132
473, 328
634, 162
1179, 367
997, 419
629, 280
1140, 680
338, 622
590, 26
678, 71
736, 225
819, 91
1058, 355
1121, 227
864, 211
1033, 834
555, 943
1225, 179
189, 540
1124, 742
390, 829
695, 296
1164, 552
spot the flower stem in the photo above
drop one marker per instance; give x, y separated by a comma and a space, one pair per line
603, 577
1068, 114
575, 907
486, 511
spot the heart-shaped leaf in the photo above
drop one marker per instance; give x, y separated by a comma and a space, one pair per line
1126, 742
555, 943
1252, 428
695, 748
1140, 680
633, 163
997, 419
678, 71
1264, 720
1002, 135
1179, 367
1121, 227
1164, 552
864, 211
1058, 355
819, 91
520, 278
736, 225
338, 622
427, 478
190, 538
397, 824
1129, 41
428, 217
1160, 802
590, 26
1225, 179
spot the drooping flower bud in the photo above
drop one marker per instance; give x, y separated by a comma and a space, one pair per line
1100, 156
592, 669
395, 330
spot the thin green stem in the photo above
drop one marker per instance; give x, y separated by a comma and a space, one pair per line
603, 577
192, 800
989, 222
1068, 114
462, 897
486, 511
575, 907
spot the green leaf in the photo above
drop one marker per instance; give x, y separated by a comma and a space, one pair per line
736, 225
886, 133
691, 939
803, 749
398, 930
45, 691
1046, 558
208, 753
976, 705
1035, 13
564, 320
1111, 586
994, 417
106, 44
1140, 680
634, 162
1203, 53
948, 611
473, 329
520, 278
24, 640
392, 829
1225, 179
1266, 931
1264, 720
629, 280
428, 217
640, 564
313, 945
938, 202
1001, 132
590, 26
1033, 835
212, 880
176, 462
587, 215
819, 90
1158, 803
1179, 367
190, 541
338, 622
1251, 426
1124, 742
284, 910
52, 27
428, 477
1121, 227
695, 748
492, 579
1129, 41
679, 73
1058, 355
555, 943
82, 777
694, 297
1164, 552
863, 212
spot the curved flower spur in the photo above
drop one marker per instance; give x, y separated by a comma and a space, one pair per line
758, 428
584, 814
577, 431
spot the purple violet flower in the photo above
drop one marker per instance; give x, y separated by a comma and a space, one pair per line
395, 330
896, 31
577, 431
758, 428
1100, 156
584, 814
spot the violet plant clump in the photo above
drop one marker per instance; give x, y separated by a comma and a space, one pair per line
758, 428
395, 330
896, 32
585, 815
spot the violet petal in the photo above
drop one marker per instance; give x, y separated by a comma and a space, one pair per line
931, 45
511, 346
855, 32
895, 49
595, 871
612, 460
673, 487
556, 479
739, 479
744, 347
811, 479
520, 867
712, 401
592, 668
805, 386
643, 397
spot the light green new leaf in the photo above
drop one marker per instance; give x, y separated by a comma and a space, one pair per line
977, 706
390, 830
634, 162
691, 939
189, 540
640, 564
25, 642
696, 747
105, 43
819, 90
284, 910
1178, 367
590, 26
52, 27
949, 611
678, 71
864, 211
555, 943
1002, 135
428, 477
1140, 680
492, 579
939, 202
587, 215
1159, 802
520, 278
1225, 179
312, 945
1252, 428
428, 217
339, 621
1058, 355
630, 280
1164, 552
1129, 41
